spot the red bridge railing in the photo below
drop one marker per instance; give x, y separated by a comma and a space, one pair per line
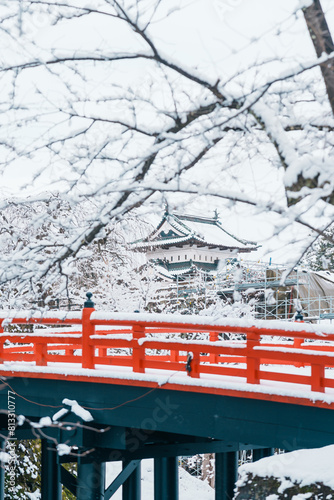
254, 351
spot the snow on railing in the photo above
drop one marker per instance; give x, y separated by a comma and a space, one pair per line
229, 347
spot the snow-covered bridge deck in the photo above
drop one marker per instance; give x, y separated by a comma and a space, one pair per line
277, 361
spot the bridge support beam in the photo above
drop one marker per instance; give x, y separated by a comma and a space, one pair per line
226, 475
132, 486
50, 472
262, 453
91, 481
166, 479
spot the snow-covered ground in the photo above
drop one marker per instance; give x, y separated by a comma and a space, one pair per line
189, 486
304, 467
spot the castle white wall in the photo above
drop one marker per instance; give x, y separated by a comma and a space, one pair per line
186, 253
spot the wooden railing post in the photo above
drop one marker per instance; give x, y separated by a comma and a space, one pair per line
103, 352
253, 362
214, 336
297, 342
138, 351
195, 365
40, 351
87, 331
317, 378
174, 356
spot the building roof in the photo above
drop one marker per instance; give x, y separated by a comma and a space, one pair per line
178, 230
183, 269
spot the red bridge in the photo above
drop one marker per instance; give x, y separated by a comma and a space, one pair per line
192, 383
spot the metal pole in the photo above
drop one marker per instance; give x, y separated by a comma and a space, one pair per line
88, 329
177, 292
131, 489
50, 472
226, 475
166, 478
265, 294
309, 294
91, 481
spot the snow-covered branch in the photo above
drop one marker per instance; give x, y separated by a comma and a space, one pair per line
132, 114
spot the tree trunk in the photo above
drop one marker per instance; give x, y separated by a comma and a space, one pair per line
323, 44
208, 473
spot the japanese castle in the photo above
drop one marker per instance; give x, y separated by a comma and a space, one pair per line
184, 244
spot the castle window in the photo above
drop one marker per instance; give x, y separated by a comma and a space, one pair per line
200, 257
178, 257
185, 257
171, 259
206, 258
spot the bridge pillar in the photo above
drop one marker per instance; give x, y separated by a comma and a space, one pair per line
262, 452
91, 481
50, 472
131, 489
166, 478
226, 475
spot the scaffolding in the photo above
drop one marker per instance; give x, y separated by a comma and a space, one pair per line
273, 290
276, 292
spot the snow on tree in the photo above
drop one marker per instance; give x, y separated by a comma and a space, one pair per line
106, 268
320, 256
28, 473
137, 103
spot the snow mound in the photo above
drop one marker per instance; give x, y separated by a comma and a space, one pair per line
304, 467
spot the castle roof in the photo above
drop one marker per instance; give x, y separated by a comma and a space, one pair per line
178, 230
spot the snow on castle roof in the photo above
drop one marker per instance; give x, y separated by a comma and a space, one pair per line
175, 229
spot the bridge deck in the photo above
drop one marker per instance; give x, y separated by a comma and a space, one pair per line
289, 392
252, 359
